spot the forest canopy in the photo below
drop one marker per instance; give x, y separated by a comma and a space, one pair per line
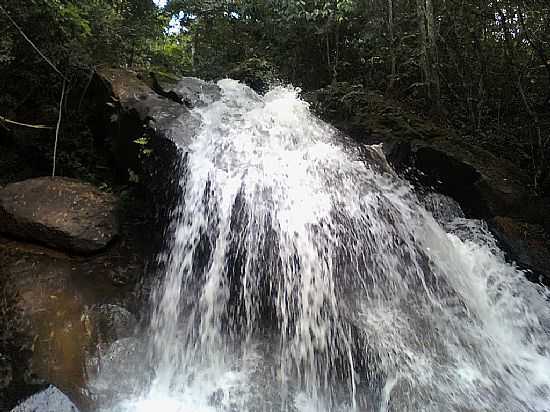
482, 66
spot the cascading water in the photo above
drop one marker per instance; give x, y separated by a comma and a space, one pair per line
302, 277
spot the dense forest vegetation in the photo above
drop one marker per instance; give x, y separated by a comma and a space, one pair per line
482, 67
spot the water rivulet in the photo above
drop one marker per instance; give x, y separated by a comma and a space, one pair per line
303, 275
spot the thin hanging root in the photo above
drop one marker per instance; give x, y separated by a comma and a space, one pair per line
35, 47
57, 127
32, 126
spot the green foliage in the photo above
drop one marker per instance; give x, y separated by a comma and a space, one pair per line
342, 101
70, 32
484, 65
77, 36
257, 73
172, 52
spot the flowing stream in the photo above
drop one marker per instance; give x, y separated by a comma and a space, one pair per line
303, 275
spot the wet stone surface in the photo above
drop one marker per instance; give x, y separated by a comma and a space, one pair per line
50, 399
59, 212
71, 305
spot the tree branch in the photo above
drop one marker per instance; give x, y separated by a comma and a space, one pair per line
32, 126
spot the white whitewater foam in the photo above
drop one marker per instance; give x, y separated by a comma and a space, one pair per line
300, 278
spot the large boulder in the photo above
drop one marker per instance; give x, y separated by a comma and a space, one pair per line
485, 185
136, 108
151, 134
59, 212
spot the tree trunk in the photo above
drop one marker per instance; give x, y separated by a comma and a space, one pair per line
538, 48
393, 68
329, 60
432, 48
336, 52
428, 49
424, 64
194, 43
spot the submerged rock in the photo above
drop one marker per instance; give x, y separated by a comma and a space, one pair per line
443, 208
59, 212
116, 370
50, 399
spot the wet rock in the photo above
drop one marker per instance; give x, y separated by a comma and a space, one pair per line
482, 181
133, 109
484, 185
6, 372
527, 243
59, 212
374, 156
443, 208
50, 399
198, 92
106, 323
53, 290
139, 105
149, 133
135, 97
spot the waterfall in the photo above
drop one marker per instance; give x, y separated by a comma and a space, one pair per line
304, 275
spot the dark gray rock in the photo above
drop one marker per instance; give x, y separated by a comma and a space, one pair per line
141, 105
485, 184
133, 110
198, 92
59, 212
50, 399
